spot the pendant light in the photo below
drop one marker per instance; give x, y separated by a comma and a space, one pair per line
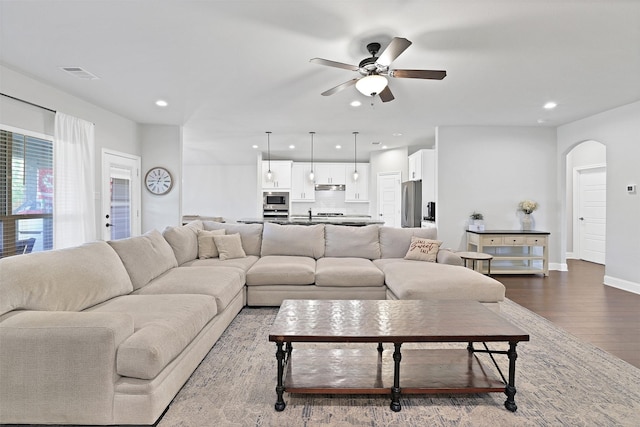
269, 173
311, 174
355, 167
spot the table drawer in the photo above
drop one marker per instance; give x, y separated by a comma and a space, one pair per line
514, 240
492, 240
536, 241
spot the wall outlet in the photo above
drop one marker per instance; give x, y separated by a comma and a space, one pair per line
631, 189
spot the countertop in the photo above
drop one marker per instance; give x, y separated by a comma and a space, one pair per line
347, 220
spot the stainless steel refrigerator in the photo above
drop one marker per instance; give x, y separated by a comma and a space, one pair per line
411, 204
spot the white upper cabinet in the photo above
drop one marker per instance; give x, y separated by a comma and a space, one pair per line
357, 190
302, 188
415, 166
330, 173
281, 170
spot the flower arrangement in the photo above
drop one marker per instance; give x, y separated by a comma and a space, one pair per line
527, 206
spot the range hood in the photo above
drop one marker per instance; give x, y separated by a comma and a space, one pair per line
330, 187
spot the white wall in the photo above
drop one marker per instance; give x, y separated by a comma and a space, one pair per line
619, 130
490, 170
162, 146
112, 131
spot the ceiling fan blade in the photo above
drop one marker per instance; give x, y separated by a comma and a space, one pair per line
386, 95
339, 87
418, 74
395, 48
334, 64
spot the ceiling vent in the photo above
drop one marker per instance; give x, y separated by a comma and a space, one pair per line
80, 73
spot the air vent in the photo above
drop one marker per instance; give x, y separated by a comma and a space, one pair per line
80, 73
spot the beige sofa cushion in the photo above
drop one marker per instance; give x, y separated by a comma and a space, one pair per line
222, 283
183, 240
63, 280
206, 245
243, 264
145, 257
433, 281
282, 270
251, 234
394, 242
352, 242
346, 272
294, 240
229, 246
164, 325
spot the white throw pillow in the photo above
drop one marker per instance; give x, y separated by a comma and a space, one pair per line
423, 249
206, 245
229, 246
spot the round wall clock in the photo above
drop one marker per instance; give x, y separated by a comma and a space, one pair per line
158, 180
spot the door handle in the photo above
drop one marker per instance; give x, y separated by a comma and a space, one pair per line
108, 225
581, 218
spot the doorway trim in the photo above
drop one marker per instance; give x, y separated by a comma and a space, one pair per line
576, 205
398, 189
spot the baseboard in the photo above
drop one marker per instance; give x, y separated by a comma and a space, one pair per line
625, 285
557, 266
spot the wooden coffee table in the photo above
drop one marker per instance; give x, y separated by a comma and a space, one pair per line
335, 370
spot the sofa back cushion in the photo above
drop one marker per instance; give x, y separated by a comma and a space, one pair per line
355, 242
250, 234
294, 240
62, 280
395, 242
145, 257
184, 240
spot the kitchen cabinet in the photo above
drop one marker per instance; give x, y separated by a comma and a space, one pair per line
514, 252
281, 170
302, 188
357, 190
330, 173
415, 166
422, 166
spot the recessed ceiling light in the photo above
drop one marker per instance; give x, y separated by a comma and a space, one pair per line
338, 147
375, 142
384, 147
161, 103
396, 134
355, 103
254, 146
292, 146
541, 121
550, 105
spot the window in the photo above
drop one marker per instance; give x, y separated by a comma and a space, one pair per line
26, 193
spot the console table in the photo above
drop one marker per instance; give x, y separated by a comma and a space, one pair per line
513, 251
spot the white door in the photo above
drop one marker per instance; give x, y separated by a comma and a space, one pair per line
389, 198
120, 215
592, 210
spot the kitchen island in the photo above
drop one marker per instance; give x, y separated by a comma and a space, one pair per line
357, 221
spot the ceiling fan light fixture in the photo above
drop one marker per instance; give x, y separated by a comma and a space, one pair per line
371, 85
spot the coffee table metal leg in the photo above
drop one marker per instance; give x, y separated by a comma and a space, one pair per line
510, 389
280, 405
395, 390
380, 348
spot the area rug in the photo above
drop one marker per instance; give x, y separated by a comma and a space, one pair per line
560, 380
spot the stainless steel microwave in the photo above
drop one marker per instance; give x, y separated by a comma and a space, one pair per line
275, 200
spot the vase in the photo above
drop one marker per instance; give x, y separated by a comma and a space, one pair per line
526, 222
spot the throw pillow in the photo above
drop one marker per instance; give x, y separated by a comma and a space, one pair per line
423, 249
229, 246
206, 245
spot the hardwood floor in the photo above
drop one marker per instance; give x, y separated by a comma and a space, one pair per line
578, 302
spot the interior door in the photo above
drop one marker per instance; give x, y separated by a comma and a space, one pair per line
120, 216
592, 214
389, 198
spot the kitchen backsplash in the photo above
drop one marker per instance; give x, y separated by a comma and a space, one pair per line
330, 202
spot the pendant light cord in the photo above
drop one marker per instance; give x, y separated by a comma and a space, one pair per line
355, 153
269, 149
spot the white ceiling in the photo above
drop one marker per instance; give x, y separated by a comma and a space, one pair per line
233, 69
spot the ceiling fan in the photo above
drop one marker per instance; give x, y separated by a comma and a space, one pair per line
375, 70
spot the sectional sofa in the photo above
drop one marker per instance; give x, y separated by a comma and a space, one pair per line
108, 332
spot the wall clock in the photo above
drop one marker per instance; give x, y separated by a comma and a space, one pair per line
158, 180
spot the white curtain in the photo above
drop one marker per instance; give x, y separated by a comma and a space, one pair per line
74, 179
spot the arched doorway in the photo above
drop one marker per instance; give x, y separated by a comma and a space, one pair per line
586, 201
